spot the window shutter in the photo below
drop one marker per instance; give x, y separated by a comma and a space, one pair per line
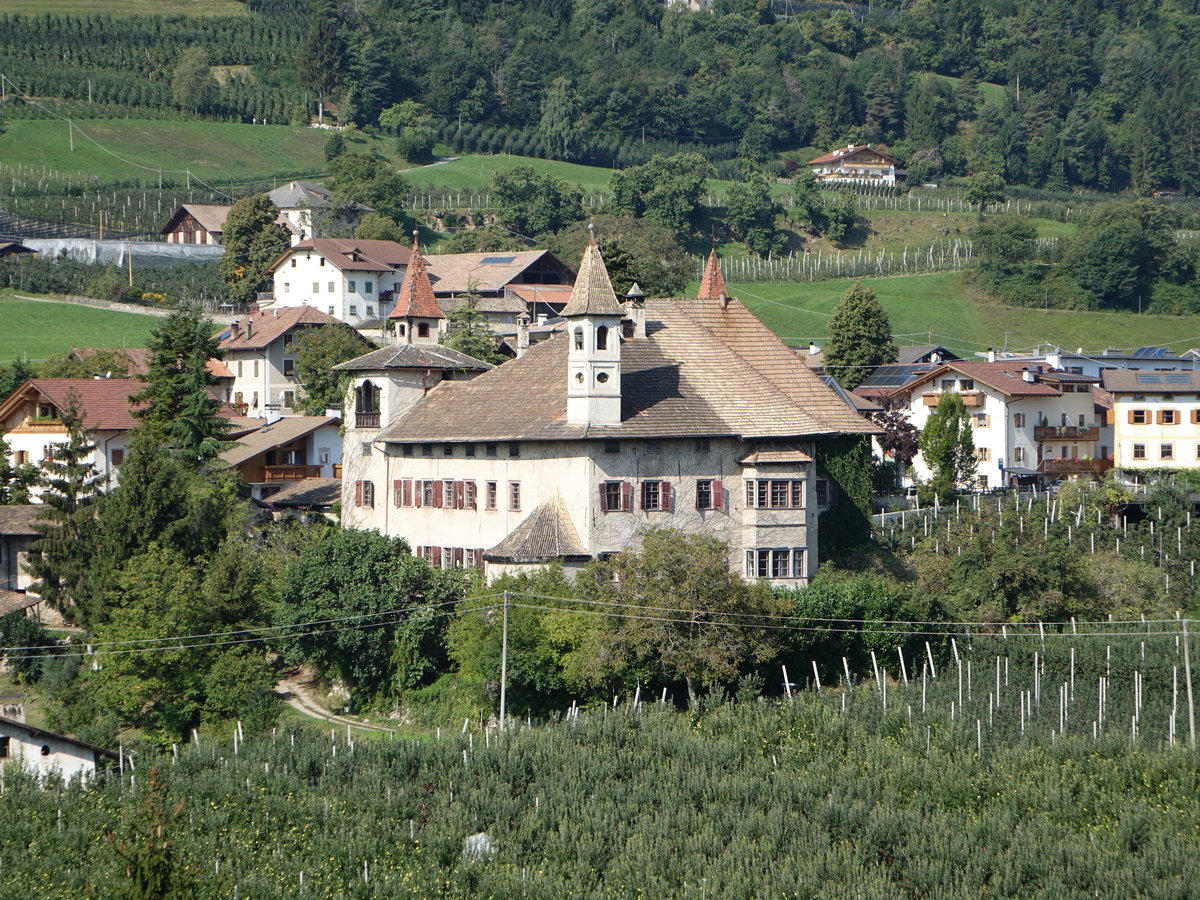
749, 494
437, 495
644, 492
418, 493
718, 495
358, 493
406, 498
626, 496
664, 496
1131, 417
603, 498
479, 558
398, 492
472, 495
437, 557
1161, 416
460, 499
458, 557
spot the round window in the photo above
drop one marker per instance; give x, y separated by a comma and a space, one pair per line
579, 377
602, 377
45, 749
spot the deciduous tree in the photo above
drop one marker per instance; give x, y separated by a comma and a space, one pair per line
532, 203
860, 337
317, 351
667, 189
948, 446
252, 241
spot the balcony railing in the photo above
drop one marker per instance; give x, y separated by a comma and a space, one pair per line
1074, 466
366, 420
1066, 433
970, 399
290, 473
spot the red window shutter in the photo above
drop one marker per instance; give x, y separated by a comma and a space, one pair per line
718, 495
407, 492
437, 494
437, 556
479, 558
664, 496
458, 557
358, 493
398, 492
626, 496
418, 492
460, 500
603, 498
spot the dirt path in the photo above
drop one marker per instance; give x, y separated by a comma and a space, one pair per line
295, 691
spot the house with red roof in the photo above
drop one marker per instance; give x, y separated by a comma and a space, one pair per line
857, 164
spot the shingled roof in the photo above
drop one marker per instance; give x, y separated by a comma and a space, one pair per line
308, 492
274, 434
263, 326
592, 294
486, 273
413, 356
415, 298
712, 285
546, 533
703, 370
19, 518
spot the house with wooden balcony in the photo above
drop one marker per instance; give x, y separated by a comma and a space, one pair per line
857, 164
270, 455
1155, 419
1028, 422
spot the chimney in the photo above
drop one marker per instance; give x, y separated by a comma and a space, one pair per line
991, 354
249, 328
813, 348
636, 310
541, 319
1029, 376
233, 330
1054, 360
522, 334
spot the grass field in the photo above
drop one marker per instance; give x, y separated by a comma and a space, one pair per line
34, 330
943, 308
130, 7
475, 171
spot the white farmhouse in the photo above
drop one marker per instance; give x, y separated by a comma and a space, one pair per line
31, 419
861, 164
351, 280
683, 412
260, 358
1155, 420
1026, 421
45, 753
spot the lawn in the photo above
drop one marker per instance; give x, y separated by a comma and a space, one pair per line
34, 330
941, 308
132, 7
474, 172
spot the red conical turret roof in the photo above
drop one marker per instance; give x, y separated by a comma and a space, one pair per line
712, 285
415, 298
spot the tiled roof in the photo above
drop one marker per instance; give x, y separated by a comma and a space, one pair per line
263, 326
712, 285
103, 403
415, 298
309, 492
511, 305
1004, 377
456, 273
848, 151
702, 370
1126, 380
767, 457
556, 294
592, 294
139, 361
276, 434
300, 195
413, 356
546, 533
16, 601
351, 254
19, 519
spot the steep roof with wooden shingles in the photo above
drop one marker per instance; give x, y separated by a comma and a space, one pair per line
413, 356
546, 533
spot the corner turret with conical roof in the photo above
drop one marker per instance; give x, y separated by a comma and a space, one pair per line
416, 316
593, 318
712, 285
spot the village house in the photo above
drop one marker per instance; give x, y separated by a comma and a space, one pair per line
1155, 420
350, 280
260, 358
279, 452
44, 753
196, 223
1027, 421
533, 282
16, 534
857, 164
137, 365
31, 419
1093, 364
683, 412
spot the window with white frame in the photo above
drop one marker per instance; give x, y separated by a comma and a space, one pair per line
775, 562
775, 493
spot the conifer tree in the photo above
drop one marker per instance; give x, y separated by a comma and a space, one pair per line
860, 337
71, 485
470, 332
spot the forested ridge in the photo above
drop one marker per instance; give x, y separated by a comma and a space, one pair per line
1096, 94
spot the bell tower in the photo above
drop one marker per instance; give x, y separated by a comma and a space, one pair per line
593, 318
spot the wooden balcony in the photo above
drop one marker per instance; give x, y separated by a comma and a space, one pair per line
1074, 466
970, 399
366, 420
290, 473
43, 426
1054, 433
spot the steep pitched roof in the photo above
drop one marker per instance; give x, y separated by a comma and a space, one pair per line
139, 361
1004, 377
300, 195
413, 356
593, 293
702, 370
456, 273
712, 285
546, 533
351, 254
263, 326
103, 403
415, 298
210, 216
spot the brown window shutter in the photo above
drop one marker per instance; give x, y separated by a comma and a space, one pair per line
460, 499
418, 493
718, 495
626, 496
472, 495
437, 557
358, 493
1131, 417
665, 500
643, 492
437, 494
407, 497
398, 492
603, 498
479, 558
1162, 414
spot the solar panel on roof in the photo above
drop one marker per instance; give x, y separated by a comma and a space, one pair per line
1177, 379
1143, 378
497, 260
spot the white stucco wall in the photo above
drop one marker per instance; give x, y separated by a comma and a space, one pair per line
351, 296
46, 755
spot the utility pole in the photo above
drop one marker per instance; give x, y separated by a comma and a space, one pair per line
1187, 677
504, 665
